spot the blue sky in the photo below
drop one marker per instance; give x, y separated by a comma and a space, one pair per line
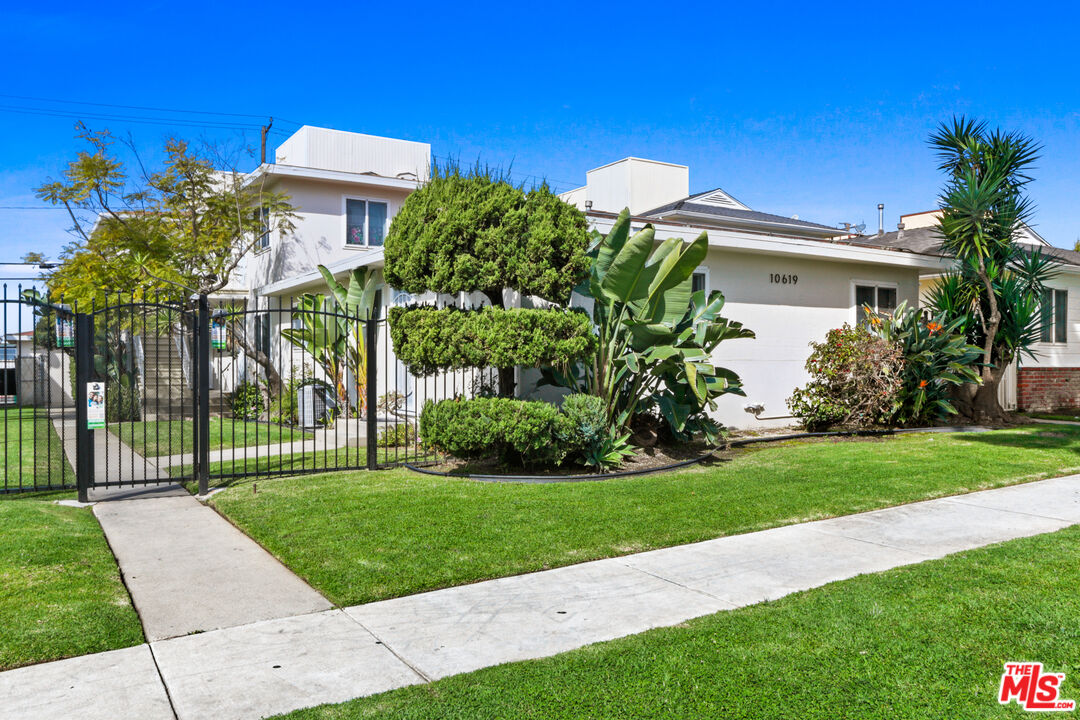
792, 108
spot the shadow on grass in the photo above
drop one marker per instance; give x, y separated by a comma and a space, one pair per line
1030, 437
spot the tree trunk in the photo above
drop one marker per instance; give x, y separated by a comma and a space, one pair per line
273, 379
979, 403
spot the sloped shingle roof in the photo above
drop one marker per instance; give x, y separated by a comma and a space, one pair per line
688, 205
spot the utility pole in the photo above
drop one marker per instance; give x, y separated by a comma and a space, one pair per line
265, 129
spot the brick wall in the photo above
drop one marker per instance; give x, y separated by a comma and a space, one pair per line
1048, 388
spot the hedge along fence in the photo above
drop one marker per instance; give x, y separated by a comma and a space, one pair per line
427, 339
519, 431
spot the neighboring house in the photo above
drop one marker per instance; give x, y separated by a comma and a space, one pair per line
1052, 379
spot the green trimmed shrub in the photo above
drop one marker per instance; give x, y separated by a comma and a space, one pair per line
247, 401
520, 432
473, 231
427, 339
586, 422
397, 436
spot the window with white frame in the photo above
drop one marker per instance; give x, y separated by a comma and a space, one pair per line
1054, 316
365, 222
262, 217
879, 298
700, 281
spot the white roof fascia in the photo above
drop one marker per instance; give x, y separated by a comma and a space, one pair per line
331, 175
725, 239
372, 256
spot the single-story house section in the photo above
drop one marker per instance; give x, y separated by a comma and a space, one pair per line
1052, 380
788, 280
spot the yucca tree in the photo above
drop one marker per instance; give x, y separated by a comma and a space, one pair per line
997, 284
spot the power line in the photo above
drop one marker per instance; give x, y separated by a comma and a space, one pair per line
142, 107
46, 112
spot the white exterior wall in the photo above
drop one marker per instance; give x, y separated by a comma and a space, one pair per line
314, 147
319, 236
786, 319
638, 184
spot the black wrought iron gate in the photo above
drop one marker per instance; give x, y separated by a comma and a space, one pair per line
169, 392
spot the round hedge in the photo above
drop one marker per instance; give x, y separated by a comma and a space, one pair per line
427, 339
474, 232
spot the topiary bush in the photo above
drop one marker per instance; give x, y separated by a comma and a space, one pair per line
247, 401
856, 380
427, 339
519, 432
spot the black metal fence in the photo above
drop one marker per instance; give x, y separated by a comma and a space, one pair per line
129, 393
36, 398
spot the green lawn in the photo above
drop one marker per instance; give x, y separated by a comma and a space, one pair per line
359, 537
925, 641
1069, 417
172, 437
33, 453
60, 589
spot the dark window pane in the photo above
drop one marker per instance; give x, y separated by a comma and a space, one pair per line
1061, 309
863, 296
355, 212
886, 300
377, 222
697, 282
1046, 316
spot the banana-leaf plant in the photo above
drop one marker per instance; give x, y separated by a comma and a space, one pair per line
656, 336
332, 331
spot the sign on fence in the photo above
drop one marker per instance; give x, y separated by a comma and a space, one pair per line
95, 405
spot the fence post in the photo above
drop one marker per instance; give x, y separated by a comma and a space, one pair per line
84, 437
202, 396
370, 338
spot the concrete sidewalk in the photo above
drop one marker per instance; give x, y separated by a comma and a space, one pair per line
189, 570
279, 665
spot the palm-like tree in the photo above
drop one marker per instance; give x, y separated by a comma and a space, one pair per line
997, 285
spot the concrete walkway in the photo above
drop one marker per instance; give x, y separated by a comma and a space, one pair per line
189, 570
278, 665
114, 460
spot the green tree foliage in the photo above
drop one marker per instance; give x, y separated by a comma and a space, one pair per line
997, 285
180, 230
427, 339
474, 232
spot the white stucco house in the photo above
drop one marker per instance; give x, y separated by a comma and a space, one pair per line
788, 279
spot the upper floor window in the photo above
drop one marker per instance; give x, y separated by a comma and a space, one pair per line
880, 299
263, 218
365, 222
1054, 316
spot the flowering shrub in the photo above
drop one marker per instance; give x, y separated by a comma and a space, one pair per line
856, 380
937, 358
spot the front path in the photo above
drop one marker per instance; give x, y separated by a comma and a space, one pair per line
279, 665
189, 570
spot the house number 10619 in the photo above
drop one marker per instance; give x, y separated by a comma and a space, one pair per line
783, 279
